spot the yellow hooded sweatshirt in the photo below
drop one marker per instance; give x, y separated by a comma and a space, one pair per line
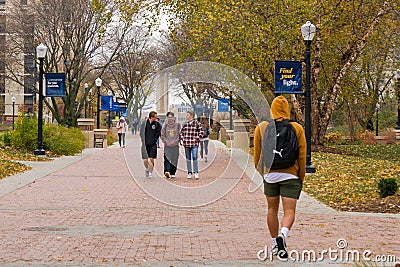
280, 110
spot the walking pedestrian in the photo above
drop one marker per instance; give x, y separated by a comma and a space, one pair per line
190, 135
150, 131
170, 137
122, 127
134, 126
205, 139
283, 183
158, 140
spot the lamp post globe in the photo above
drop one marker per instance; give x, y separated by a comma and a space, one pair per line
308, 32
98, 82
40, 54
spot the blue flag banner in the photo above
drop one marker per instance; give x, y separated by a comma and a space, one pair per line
223, 105
107, 102
288, 75
116, 107
55, 84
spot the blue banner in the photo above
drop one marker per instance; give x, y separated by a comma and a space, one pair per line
116, 107
55, 84
223, 105
107, 102
288, 75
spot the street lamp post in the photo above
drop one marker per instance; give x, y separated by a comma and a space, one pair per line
40, 53
398, 104
109, 111
98, 84
230, 110
13, 99
377, 120
86, 85
308, 32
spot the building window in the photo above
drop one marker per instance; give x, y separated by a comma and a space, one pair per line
2, 2
28, 85
2, 24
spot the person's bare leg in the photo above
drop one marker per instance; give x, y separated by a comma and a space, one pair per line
272, 216
146, 163
289, 211
151, 165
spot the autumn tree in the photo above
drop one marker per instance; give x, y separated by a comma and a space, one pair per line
79, 36
250, 35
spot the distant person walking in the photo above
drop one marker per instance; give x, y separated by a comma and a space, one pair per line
158, 140
170, 137
205, 139
370, 125
134, 126
122, 127
190, 135
281, 183
150, 131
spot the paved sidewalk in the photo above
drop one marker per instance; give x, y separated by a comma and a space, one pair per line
93, 210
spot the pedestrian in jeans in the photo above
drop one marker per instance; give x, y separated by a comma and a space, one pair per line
122, 127
170, 137
205, 139
150, 131
189, 136
285, 184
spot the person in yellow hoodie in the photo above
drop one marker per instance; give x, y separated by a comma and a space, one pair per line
285, 184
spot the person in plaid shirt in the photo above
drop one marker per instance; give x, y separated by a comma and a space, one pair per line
189, 136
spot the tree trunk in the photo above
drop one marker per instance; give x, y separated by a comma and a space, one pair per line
321, 116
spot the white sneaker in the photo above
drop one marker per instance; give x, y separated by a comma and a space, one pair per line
150, 174
146, 173
205, 159
173, 175
189, 176
196, 176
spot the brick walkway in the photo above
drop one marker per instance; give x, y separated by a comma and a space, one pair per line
95, 212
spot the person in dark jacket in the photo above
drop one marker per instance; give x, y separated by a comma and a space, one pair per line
150, 131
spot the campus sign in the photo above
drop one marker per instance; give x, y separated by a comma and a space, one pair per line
223, 105
107, 102
288, 75
55, 84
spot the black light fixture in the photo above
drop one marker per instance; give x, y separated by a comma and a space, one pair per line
377, 119
308, 32
40, 54
398, 103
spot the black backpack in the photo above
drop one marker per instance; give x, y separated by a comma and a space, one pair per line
280, 147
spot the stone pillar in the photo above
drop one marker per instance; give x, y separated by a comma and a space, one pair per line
241, 133
86, 126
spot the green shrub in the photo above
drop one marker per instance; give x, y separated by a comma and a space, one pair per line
24, 135
56, 139
387, 187
61, 140
5, 139
110, 139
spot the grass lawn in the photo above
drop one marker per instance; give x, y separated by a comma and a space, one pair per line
347, 177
